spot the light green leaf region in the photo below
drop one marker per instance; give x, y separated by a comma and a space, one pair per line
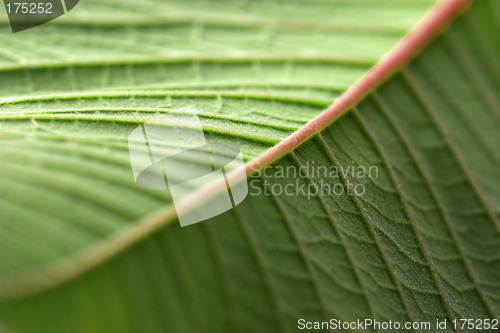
74, 89
421, 243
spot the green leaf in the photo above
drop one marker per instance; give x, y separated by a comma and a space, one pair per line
420, 244
77, 86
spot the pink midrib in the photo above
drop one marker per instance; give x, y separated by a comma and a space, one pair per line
438, 18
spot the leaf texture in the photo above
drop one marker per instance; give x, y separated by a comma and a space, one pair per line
78, 86
422, 243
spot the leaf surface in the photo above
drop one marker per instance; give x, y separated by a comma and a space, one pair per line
421, 243
79, 85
